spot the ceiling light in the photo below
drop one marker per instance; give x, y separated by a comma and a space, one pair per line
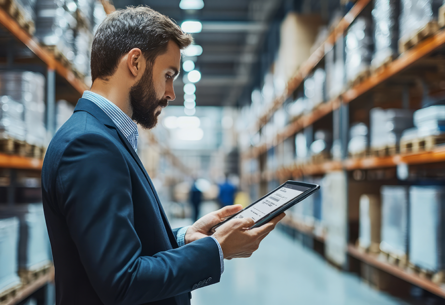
170, 122
191, 26
189, 104
189, 88
194, 76
192, 50
188, 65
188, 122
191, 4
189, 97
190, 135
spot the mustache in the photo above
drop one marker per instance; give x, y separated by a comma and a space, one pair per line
163, 103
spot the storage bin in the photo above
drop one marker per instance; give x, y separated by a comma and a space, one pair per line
395, 220
427, 227
9, 240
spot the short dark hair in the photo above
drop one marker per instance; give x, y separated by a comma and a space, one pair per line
134, 27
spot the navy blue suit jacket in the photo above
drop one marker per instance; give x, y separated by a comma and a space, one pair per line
110, 238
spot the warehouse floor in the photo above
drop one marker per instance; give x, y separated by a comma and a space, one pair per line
283, 272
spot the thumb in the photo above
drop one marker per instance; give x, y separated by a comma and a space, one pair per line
228, 210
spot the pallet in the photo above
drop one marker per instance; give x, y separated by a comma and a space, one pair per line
34, 151
421, 144
373, 248
9, 293
394, 259
384, 64
389, 150
437, 277
29, 276
59, 56
426, 31
321, 157
359, 154
16, 11
13, 147
362, 76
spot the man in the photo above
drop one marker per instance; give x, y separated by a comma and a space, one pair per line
227, 192
195, 198
111, 241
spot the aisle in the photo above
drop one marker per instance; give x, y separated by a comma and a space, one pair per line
283, 272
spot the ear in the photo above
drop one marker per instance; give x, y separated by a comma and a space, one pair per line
135, 62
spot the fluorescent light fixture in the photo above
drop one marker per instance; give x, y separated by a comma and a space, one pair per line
189, 104
188, 65
189, 88
192, 50
189, 111
170, 122
188, 122
191, 4
191, 26
190, 135
189, 97
194, 76
72, 6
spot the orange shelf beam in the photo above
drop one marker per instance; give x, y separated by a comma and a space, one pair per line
373, 260
11, 161
14, 28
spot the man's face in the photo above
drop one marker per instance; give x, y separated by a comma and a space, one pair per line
155, 88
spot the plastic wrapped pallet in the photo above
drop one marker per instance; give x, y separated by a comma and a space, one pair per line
301, 147
64, 111
416, 14
12, 124
370, 221
387, 126
28, 89
9, 239
28, 9
82, 46
427, 228
33, 241
334, 197
335, 70
55, 25
359, 138
359, 47
99, 14
386, 31
322, 143
314, 89
395, 219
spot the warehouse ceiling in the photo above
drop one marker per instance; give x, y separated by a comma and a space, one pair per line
231, 38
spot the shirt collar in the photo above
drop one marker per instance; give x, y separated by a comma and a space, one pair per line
122, 121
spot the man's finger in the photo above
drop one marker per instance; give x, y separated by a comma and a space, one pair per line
266, 228
228, 210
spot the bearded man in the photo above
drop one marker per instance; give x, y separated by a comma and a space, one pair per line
110, 238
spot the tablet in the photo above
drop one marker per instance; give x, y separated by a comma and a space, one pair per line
276, 202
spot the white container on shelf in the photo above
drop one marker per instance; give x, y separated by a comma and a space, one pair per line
9, 239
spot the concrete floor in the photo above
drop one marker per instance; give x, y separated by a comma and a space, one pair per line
283, 272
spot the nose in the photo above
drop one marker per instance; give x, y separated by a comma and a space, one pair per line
170, 92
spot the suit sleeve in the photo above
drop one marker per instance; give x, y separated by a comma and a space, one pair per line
95, 190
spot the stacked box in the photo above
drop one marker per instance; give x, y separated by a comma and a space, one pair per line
334, 202
386, 30
314, 89
359, 138
359, 46
28, 89
387, 126
427, 228
33, 241
416, 14
12, 123
55, 25
395, 220
64, 110
301, 147
9, 239
370, 222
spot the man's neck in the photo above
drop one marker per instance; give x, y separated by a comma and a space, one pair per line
115, 93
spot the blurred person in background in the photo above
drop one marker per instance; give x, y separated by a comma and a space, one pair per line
195, 199
227, 192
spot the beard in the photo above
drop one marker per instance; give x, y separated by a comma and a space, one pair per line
144, 101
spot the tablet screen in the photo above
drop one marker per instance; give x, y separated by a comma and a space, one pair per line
272, 202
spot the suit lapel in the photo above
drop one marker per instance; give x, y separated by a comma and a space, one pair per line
93, 109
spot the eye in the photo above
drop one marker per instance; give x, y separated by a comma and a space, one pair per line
168, 76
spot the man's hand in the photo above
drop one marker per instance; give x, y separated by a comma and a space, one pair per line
237, 240
201, 228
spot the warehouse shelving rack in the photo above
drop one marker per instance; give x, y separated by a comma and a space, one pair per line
406, 61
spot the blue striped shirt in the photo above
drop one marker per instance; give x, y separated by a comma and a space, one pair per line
130, 130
